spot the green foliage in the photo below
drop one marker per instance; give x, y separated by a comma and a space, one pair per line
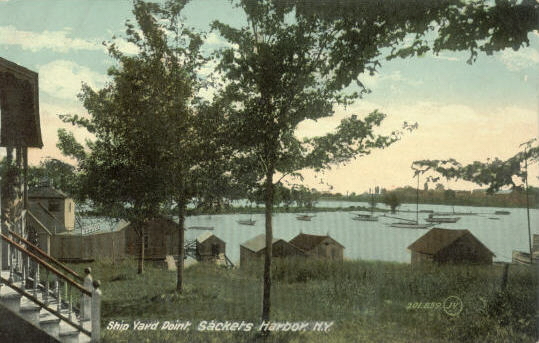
414, 27
51, 172
392, 200
494, 173
142, 120
369, 300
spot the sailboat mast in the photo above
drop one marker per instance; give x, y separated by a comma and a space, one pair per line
417, 201
528, 204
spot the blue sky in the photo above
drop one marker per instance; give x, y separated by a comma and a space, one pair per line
469, 112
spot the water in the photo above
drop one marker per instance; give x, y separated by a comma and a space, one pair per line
375, 240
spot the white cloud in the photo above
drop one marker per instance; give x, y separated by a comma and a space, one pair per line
63, 79
59, 41
126, 47
521, 59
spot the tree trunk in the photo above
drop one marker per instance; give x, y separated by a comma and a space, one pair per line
181, 248
266, 300
140, 269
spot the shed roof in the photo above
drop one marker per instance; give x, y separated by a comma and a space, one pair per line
206, 235
19, 106
308, 242
258, 243
46, 192
437, 239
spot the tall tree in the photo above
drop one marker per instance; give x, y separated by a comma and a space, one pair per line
144, 135
279, 74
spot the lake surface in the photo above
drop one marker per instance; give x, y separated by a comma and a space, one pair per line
375, 240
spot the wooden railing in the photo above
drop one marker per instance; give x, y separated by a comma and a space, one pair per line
51, 260
52, 286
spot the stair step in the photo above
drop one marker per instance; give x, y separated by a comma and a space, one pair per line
51, 325
68, 334
30, 312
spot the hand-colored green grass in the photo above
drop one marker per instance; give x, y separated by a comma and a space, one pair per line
369, 301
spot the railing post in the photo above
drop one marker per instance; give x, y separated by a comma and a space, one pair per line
96, 312
86, 299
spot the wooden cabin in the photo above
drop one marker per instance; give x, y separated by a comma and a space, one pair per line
161, 238
209, 247
254, 249
53, 208
323, 247
445, 246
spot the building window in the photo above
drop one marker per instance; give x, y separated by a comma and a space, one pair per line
54, 206
70, 207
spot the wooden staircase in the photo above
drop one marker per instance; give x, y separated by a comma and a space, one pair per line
44, 296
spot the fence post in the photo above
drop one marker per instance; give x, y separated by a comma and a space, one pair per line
86, 299
96, 312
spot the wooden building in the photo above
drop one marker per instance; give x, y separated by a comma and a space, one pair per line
209, 247
449, 246
254, 249
161, 238
19, 130
323, 247
53, 208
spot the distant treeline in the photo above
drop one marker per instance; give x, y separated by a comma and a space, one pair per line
440, 196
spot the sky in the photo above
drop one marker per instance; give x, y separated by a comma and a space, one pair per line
467, 112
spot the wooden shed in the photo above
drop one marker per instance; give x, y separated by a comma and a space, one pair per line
449, 246
254, 249
161, 238
53, 208
209, 247
317, 246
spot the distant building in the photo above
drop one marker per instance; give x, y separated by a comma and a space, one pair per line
254, 249
323, 247
209, 247
446, 246
53, 208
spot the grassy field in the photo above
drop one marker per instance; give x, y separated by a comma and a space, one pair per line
366, 301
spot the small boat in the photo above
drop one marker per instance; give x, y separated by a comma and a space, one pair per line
247, 222
365, 218
410, 225
493, 218
304, 217
520, 257
502, 212
440, 220
454, 213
